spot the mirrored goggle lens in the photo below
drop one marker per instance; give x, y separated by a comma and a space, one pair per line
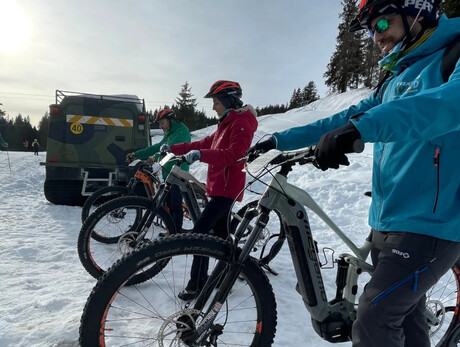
381, 26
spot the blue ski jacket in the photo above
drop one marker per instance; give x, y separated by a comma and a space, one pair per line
414, 123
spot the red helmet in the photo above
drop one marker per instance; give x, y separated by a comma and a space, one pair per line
224, 88
167, 113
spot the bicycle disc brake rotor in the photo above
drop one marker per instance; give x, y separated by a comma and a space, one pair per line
176, 325
438, 313
127, 242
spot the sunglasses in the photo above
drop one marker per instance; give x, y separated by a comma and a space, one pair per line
381, 26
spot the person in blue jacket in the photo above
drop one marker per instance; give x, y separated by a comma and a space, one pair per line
413, 119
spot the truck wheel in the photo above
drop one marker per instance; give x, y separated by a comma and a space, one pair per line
64, 192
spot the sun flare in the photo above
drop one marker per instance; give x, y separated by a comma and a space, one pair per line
14, 27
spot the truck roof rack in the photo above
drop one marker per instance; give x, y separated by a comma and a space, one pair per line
61, 94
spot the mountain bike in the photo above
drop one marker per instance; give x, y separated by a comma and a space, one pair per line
149, 178
237, 305
124, 223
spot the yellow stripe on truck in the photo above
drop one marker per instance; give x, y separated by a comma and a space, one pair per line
114, 122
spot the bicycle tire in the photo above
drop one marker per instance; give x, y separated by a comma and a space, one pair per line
115, 314
444, 300
96, 257
271, 239
100, 197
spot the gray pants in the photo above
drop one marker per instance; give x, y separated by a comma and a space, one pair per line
391, 306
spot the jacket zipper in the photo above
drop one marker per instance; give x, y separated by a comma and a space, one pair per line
436, 164
380, 183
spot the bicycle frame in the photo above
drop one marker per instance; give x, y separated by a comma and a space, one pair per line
331, 319
183, 180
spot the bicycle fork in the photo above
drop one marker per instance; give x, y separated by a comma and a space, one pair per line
230, 274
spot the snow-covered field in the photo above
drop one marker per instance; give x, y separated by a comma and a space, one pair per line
43, 286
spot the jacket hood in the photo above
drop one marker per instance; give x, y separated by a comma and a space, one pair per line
247, 111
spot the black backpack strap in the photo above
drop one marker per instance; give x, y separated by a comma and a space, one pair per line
450, 58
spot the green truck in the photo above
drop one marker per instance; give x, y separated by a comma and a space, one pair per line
88, 138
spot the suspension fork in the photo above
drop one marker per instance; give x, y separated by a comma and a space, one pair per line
149, 215
237, 259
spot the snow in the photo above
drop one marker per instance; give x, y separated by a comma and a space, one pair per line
44, 287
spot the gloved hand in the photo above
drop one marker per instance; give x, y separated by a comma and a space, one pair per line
165, 148
151, 160
262, 146
192, 156
130, 157
331, 149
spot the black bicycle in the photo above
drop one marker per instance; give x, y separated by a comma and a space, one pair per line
124, 223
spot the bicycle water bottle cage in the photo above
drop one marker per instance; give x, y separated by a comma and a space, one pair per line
326, 257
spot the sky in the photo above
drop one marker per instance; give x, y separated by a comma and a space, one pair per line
44, 287
151, 48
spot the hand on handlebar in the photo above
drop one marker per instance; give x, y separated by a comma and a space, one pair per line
192, 156
165, 148
332, 147
130, 157
260, 147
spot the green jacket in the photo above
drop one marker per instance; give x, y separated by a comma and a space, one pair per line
177, 133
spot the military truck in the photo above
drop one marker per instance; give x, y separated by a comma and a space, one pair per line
89, 136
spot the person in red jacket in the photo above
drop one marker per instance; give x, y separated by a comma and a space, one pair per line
225, 179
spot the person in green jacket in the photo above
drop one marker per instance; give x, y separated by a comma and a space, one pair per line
174, 132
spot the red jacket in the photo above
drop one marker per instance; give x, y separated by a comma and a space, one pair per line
222, 149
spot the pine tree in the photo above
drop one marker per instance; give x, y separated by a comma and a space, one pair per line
451, 8
309, 93
344, 68
296, 99
42, 133
371, 73
185, 107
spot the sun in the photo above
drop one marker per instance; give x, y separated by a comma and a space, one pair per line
14, 27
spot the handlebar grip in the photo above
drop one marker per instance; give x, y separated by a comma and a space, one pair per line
358, 146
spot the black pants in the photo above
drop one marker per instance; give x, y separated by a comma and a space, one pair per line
214, 217
390, 310
174, 202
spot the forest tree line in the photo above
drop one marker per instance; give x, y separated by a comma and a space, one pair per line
353, 64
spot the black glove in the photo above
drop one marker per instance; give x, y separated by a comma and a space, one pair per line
331, 149
262, 146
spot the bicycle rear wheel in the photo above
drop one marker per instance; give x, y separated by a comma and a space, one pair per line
150, 314
100, 197
116, 221
443, 301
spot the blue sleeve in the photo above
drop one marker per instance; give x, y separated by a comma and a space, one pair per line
429, 114
303, 136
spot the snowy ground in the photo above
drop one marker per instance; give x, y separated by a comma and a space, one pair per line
43, 286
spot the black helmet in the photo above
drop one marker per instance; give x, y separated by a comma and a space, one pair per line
167, 113
369, 9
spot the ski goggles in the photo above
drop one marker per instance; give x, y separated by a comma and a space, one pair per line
381, 26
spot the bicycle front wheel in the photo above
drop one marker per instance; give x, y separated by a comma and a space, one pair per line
116, 221
443, 302
150, 314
